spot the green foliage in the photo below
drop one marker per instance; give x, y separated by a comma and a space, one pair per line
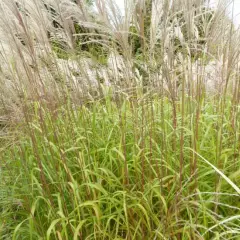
135, 42
85, 44
140, 163
60, 49
109, 171
90, 44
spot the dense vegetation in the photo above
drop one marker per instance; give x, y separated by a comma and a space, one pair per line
117, 127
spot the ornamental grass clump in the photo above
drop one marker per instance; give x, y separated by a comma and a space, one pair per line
119, 125
108, 170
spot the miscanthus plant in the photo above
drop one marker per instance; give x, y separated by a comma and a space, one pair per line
112, 170
119, 125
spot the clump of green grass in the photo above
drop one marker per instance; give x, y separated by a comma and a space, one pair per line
92, 160
110, 169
